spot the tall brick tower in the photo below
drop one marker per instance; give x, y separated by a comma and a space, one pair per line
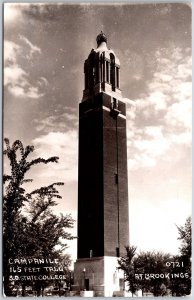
103, 225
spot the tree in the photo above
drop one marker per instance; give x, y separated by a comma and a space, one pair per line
30, 229
138, 268
44, 227
186, 238
151, 266
182, 286
160, 273
45, 231
126, 264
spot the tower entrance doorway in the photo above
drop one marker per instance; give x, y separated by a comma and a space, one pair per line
87, 284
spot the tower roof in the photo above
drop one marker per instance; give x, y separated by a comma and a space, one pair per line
101, 38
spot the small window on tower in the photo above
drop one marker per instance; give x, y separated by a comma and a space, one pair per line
91, 253
94, 74
107, 71
86, 75
117, 252
117, 76
116, 178
97, 73
112, 71
114, 103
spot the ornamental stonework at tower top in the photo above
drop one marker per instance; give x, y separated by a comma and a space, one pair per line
102, 71
101, 38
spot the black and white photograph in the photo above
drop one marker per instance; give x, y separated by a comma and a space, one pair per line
97, 156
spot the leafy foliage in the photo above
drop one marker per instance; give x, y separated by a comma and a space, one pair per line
135, 266
183, 287
186, 238
30, 228
152, 263
126, 264
141, 269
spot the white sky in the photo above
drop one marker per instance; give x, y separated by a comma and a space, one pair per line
44, 50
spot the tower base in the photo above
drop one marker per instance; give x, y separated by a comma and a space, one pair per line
98, 275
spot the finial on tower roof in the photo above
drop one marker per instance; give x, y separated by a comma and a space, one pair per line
101, 38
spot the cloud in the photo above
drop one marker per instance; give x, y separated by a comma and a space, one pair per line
11, 51
154, 147
18, 83
42, 81
64, 145
33, 48
162, 117
158, 99
147, 146
16, 79
58, 123
179, 114
14, 75
19, 91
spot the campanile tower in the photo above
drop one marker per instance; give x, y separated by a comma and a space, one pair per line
103, 225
